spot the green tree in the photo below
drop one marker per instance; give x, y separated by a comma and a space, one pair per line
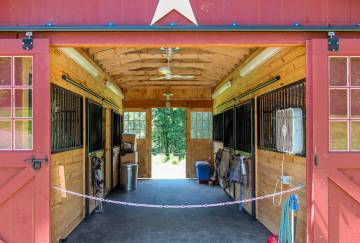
168, 132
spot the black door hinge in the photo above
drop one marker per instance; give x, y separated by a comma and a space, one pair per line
28, 42
333, 42
36, 163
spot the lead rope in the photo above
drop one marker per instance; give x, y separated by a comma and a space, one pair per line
285, 227
145, 205
287, 230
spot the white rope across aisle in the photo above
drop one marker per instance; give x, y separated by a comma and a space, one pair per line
145, 205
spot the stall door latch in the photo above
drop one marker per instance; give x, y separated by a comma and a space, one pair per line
333, 42
28, 42
36, 163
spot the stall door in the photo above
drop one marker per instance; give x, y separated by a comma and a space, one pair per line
24, 142
115, 148
95, 149
334, 102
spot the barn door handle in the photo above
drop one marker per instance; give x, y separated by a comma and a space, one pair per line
36, 163
316, 160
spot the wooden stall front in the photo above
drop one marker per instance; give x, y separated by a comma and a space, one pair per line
290, 65
68, 167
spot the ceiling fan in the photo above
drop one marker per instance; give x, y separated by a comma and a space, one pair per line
168, 94
166, 72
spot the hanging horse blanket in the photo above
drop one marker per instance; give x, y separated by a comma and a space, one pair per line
97, 181
224, 168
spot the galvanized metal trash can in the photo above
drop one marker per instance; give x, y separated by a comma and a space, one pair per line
128, 176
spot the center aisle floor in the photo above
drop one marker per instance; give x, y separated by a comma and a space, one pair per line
128, 224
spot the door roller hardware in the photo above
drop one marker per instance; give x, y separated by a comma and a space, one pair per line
28, 42
333, 42
36, 163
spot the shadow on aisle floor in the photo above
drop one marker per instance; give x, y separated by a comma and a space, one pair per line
126, 224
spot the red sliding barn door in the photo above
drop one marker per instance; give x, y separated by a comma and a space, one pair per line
24, 134
334, 147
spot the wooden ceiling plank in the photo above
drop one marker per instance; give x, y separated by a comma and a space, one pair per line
136, 66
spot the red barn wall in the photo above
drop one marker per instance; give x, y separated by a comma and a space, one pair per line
214, 12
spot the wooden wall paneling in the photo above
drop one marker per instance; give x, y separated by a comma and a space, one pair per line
268, 171
143, 158
153, 96
60, 64
289, 64
66, 212
157, 92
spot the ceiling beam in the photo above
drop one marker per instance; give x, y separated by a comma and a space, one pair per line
167, 83
130, 78
116, 69
122, 59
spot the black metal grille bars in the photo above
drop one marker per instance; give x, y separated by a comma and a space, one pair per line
290, 96
66, 119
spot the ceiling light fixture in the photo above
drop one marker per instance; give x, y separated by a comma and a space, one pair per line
115, 89
260, 59
222, 89
77, 57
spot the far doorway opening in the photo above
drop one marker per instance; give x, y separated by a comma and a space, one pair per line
168, 152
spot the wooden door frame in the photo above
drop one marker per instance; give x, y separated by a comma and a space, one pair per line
111, 151
112, 111
309, 140
148, 133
